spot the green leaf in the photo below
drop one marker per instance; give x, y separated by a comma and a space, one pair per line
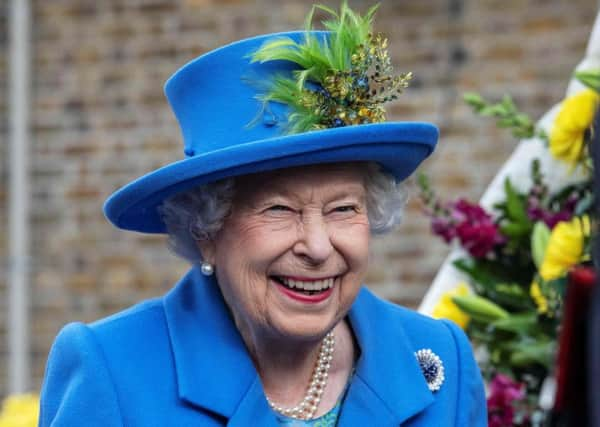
585, 204
479, 308
515, 230
479, 275
481, 272
510, 290
523, 324
473, 99
497, 283
559, 286
527, 353
506, 113
590, 78
515, 204
539, 242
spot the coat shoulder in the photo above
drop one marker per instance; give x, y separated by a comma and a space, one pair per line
128, 337
132, 349
143, 312
418, 328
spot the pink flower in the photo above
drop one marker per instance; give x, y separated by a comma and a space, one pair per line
549, 218
478, 239
475, 228
470, 224
504, 393
536, 212
443, 227
467, 210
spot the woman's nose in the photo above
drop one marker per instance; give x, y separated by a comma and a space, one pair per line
314, 241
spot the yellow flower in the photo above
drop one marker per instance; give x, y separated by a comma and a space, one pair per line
538, 297
565, 247
446, 309
20, 411
572, 121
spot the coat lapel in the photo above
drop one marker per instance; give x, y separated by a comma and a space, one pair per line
253, 409
388, 386
212, 366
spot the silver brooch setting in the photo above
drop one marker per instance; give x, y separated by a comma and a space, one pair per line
432, 367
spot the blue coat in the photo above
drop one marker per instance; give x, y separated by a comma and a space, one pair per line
180, 361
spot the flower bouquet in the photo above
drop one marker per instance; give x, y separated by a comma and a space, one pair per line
518, 256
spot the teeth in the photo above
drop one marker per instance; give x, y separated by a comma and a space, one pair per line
315, 285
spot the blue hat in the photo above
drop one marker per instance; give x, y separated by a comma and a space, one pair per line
215, 103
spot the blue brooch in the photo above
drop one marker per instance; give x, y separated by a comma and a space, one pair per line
432, 367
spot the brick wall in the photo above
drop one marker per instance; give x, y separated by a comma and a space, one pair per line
100, 120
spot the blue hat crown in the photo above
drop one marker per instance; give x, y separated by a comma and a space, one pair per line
215, 100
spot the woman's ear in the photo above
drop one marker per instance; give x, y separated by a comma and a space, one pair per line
207, 249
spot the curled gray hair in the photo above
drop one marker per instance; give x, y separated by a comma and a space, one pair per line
199, 213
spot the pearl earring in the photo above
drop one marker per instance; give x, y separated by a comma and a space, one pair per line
207, 268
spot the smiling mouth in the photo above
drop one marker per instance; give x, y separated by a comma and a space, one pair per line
307, 287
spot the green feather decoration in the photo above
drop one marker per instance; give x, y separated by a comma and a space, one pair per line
343, 79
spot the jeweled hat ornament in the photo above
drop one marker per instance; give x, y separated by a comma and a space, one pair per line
277, 101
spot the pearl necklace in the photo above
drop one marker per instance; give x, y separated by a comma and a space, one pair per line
306, 409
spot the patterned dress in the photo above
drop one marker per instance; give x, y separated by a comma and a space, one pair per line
326, 420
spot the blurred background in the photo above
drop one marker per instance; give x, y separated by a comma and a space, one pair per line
97, 118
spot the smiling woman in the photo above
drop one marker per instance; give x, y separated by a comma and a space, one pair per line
272, 325
292, 234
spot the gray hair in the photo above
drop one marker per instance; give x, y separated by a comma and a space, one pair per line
199, 213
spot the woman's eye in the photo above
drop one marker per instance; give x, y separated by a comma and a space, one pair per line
279, 208
346, 208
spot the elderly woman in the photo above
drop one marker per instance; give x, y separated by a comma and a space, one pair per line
275, 211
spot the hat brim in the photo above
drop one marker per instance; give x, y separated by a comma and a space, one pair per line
398, 146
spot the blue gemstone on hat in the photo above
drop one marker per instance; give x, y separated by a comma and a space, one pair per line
337, 122
363, 82
432, 367
321, 90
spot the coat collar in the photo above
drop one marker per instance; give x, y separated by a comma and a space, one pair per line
388, 385
215, 372
213, 368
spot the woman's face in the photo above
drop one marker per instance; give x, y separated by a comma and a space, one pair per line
291, 256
